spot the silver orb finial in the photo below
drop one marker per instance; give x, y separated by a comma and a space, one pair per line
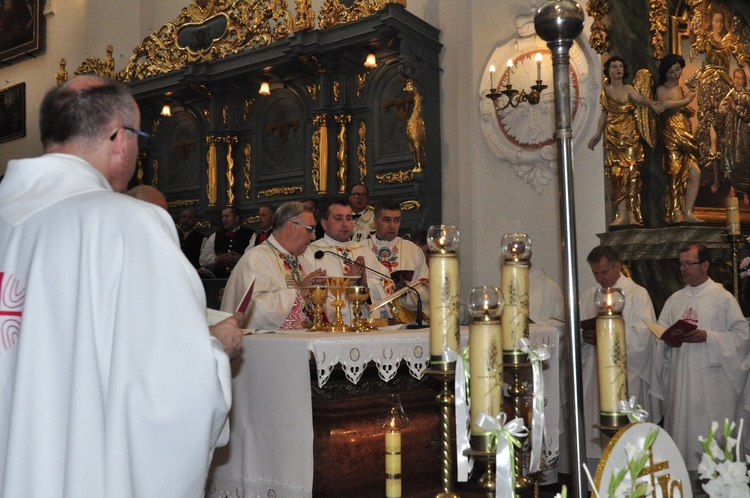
559, 20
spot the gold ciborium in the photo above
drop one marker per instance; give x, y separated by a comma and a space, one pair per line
356, 295
318, 296
338, 286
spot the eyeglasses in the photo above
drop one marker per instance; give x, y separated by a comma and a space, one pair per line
142, 135
685, 264
358, 195
310, 229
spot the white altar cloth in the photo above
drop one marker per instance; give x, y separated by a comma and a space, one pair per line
270, 451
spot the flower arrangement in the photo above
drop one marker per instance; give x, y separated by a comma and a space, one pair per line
725, 473
745, 267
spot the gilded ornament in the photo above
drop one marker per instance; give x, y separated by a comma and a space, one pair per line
187, 202
658, 21
230, 140
320, 153
252, 220
207, 113
362, 151
139, 167
211, 172
342, 155
415, 130
334, 12
155, 178
315, 174
246, 111
312, 89
336, 91
305, 16
101, 67
248, 170
280, 191
312, 62
396, 176
411, 205
361, 79
155, 126
202, 225
598, 38
61, 76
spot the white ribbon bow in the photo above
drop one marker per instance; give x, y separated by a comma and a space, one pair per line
505, 467
537, 354
635, 412
464, 463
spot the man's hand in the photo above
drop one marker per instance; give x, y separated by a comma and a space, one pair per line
228, 258
228, 332
589, 336
315, 277
357, 269
694, 336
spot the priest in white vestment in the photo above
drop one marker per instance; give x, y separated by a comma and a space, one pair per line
704, 377
403, 259
362, 214
640, 342
281, 273
110, 383
339, 256
545, 297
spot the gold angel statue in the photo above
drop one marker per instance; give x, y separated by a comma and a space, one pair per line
623, 129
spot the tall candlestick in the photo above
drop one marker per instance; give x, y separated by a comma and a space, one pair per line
492, 74
538, 59
733, 216
442, 241
611, 353
510, 70
515, 286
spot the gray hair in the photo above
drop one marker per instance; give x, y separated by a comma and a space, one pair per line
286, 212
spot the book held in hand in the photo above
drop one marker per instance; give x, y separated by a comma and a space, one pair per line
672, 336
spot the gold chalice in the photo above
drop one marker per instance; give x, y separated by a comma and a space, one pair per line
356, 295
338, 286
318, 296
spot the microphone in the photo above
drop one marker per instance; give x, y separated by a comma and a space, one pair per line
418, 322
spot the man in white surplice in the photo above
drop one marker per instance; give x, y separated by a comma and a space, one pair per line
281, 273
705, 376
348, 258
403, 259
110, 382
606, 267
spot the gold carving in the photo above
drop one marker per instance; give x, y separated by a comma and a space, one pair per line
305, 16
334, 13
342, 155
411, 205
336, 90
187, 202
252, 220
312, 89
320, 154
402, 107
211, 190
598, 38
658, 20
396, 176
225, 114
104, 67
246, 112
155, 178
139, 167
362, 152
155, 126
230, 140
361, 79
248, 169
209, 30
415, 132
207, 113
283, 129
203, 225
280, 191
312, 62
61, 76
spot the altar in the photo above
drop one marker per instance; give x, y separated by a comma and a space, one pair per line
278, 440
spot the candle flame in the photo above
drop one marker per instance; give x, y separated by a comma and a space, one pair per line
510, 62
609, 301
492, 68
538, 57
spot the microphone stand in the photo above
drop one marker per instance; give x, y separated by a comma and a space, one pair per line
418, 323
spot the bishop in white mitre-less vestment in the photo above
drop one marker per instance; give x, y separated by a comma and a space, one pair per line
110, 384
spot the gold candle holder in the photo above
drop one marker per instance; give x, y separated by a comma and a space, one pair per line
516, 248
447, 401
516, 391
611, 353
442, 241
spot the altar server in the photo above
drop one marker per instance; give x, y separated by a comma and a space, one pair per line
110, 383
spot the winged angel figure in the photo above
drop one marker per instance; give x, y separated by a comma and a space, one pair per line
626, 120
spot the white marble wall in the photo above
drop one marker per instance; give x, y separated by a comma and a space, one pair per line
482, 195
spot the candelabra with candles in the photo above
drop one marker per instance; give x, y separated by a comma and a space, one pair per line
514, 96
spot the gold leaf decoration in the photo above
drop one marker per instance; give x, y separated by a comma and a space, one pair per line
334, 13
598, 38
271, 192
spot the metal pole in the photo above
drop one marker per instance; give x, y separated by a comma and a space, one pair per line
558, 22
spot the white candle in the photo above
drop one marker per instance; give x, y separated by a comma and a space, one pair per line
613, 363
485, 370
510, 70
392, 463
444, 291
538, 59
515, 316
492, 74
733, 215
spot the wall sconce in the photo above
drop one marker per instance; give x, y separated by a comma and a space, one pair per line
166, 111
514, 96
265, 88
371, 62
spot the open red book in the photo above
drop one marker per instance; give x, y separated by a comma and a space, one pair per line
672, 335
